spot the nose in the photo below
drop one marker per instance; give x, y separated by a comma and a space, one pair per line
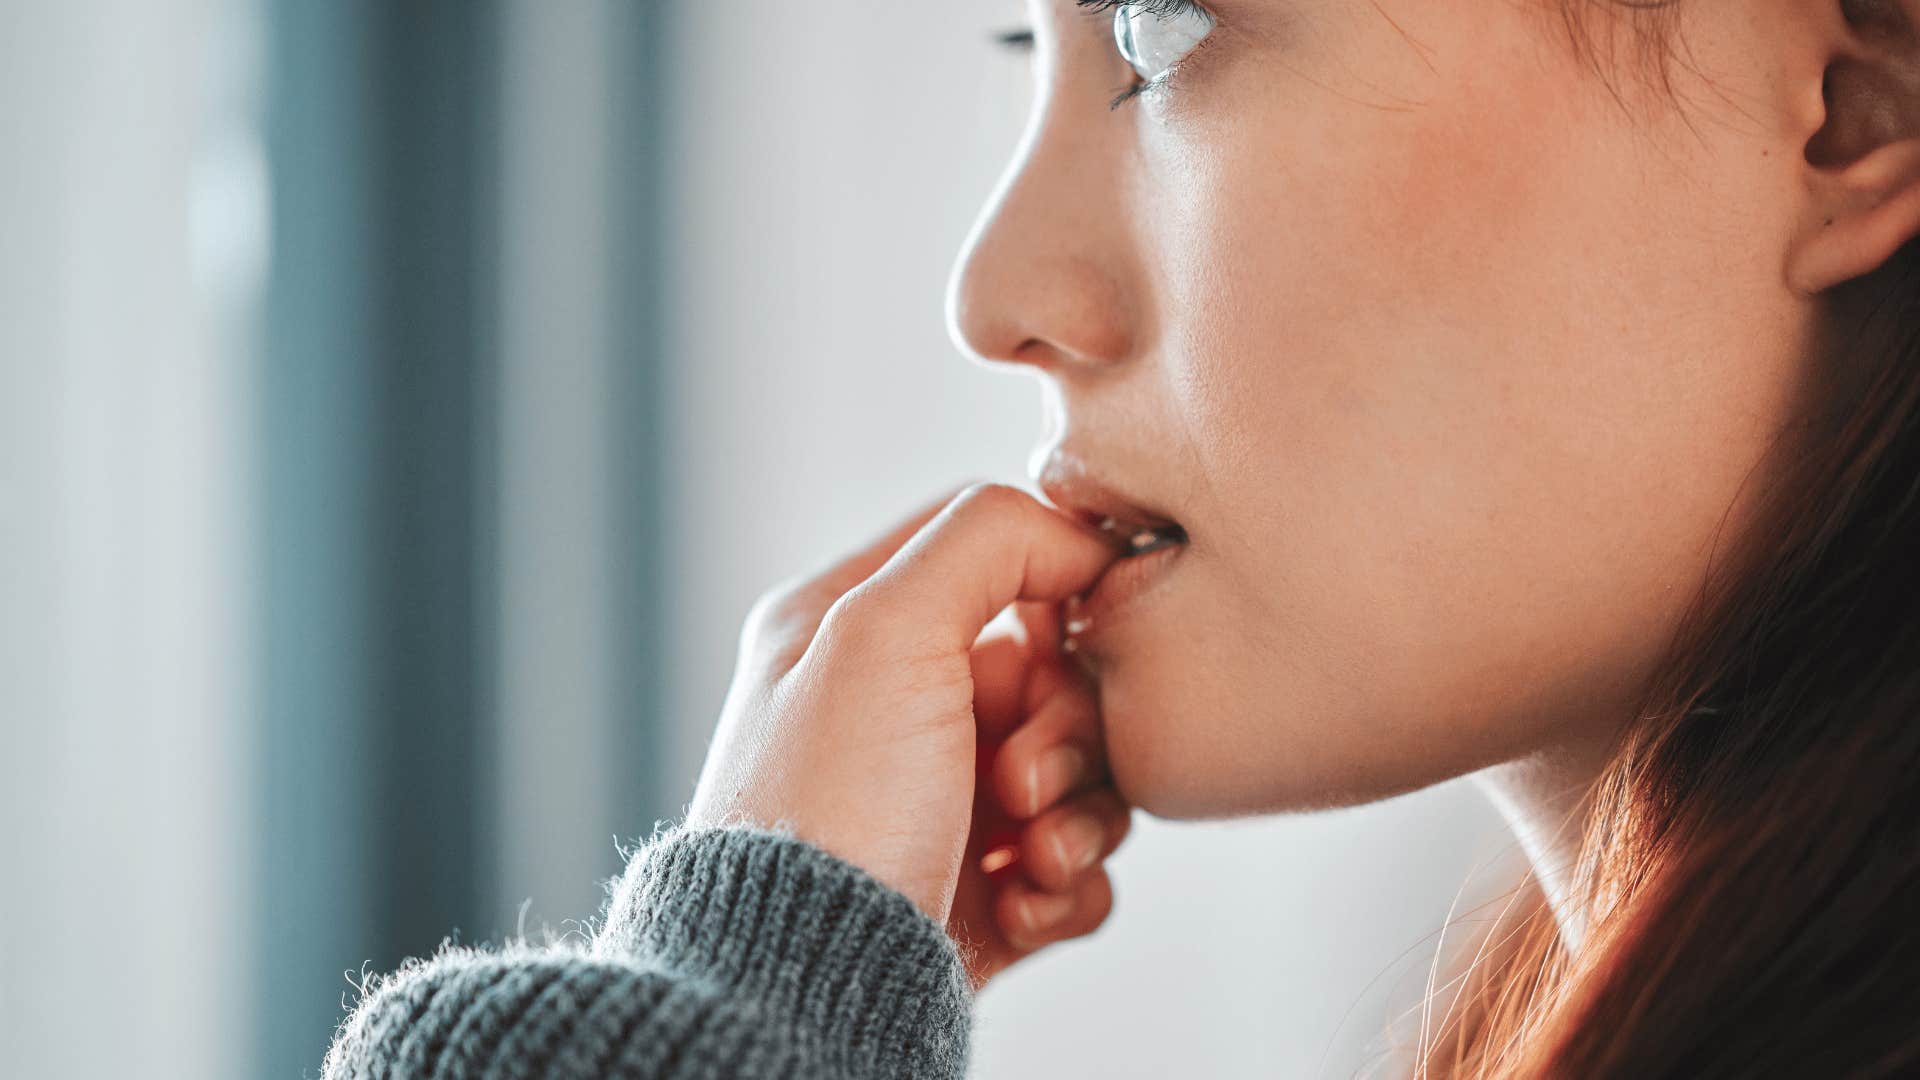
1043, 278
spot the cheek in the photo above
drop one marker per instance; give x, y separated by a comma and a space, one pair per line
1466, 483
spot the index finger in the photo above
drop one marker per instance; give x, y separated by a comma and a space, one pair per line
860, 565
815, 592
990, 547
785, 619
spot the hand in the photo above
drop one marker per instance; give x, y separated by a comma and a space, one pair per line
851, 716
1043, 822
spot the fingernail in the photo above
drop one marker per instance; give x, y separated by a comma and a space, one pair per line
1042, 910
1079, 839
1055, 770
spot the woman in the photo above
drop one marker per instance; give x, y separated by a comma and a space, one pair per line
1520, 389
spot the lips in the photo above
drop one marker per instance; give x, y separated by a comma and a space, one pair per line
1148, 540
1137, 528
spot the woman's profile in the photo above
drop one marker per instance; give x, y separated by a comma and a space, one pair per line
1522, 390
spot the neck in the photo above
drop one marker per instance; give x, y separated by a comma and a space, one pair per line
1545, 798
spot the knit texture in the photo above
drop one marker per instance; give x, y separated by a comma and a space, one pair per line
735, 951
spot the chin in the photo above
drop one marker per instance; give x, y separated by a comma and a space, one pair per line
1144, 785
1198, 724
1168, 749
1176, 764
1193, 742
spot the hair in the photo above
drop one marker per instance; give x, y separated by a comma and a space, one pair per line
1750, 862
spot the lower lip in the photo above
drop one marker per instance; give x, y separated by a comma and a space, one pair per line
1124, 581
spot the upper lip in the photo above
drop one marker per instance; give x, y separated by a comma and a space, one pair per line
1071, 484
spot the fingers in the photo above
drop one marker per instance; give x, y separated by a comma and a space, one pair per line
1055, 753
1040, 621
1000, 662
1072, 838
861, 565
785, 618
1051, 672
991, 546
1064, 891
1032, 919
1048, 772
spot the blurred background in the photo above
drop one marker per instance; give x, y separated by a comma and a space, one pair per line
401, 404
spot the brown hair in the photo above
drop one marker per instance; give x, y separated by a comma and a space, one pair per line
1751, 863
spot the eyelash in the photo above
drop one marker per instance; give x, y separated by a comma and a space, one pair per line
1162, 8
1024, 39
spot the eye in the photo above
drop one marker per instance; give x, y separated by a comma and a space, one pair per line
1154, 35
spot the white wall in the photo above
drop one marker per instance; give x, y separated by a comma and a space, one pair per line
130, 190
828, 162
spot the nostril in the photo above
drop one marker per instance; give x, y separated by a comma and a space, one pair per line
1009, 304
988, 329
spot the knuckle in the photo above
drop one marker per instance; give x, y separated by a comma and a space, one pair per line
1099, 903
780, 625
1010, 786
1011, 914
766, 609
852, 617
776, 612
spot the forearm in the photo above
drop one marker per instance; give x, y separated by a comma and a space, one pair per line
735, 952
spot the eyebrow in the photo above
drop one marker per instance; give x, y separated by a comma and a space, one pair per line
1014, 39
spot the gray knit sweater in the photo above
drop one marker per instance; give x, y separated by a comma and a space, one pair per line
724, 952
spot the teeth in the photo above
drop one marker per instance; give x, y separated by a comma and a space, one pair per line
1141, 540
1154, 539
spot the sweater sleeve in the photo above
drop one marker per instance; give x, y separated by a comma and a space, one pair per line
735, 951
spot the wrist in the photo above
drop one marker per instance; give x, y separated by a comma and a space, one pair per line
810, 936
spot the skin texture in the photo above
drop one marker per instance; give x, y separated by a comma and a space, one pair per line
879, 710
1451, 358
1456, 350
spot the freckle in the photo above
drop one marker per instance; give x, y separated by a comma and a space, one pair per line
1828, 222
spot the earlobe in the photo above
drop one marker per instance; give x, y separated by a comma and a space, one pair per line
1863, 163
1861, 215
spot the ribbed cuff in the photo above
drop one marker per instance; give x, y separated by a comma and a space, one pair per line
806, 934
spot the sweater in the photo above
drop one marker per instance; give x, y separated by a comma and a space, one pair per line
724, 951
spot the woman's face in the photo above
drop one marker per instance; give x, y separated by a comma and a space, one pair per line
1449, 354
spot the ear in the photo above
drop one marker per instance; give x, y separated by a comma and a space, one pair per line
1864, 161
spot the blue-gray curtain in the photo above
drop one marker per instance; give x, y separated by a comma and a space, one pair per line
375, 410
